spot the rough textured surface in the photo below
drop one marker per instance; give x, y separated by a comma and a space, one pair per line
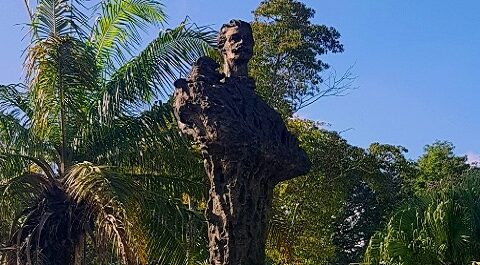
246, 147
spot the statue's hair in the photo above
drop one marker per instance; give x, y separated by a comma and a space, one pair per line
233, 23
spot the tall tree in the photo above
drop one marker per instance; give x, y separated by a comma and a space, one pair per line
84, 167
375, 192
439, 166
286, 64
330, 214
302, 222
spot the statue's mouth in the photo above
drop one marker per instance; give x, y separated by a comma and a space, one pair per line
241, 50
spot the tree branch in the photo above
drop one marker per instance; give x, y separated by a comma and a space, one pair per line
334, 87
29, 10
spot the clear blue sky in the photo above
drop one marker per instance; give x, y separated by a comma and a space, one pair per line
417, 62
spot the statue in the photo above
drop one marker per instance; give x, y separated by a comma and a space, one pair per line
245, 144
235, 42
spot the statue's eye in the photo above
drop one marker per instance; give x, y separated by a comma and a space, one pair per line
235, 37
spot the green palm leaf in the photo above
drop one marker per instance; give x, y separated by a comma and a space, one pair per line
153, 71
54, 18
108, 196
14, 101
117, 30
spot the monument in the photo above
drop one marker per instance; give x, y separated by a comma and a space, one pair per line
245, 145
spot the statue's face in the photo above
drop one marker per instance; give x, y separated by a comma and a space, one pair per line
238, 45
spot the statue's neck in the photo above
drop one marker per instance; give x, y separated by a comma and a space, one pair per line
231, 69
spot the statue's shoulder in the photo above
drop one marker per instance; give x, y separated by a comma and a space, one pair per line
205, 69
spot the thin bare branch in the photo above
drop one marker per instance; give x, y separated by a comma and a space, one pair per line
29, 10
334, 86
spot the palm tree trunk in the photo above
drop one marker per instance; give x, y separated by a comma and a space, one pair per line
62, 116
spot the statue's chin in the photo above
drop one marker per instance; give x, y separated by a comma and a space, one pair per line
241, 59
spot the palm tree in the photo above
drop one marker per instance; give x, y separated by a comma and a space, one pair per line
90, 170
440, 228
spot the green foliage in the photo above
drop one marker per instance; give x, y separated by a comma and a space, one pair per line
375, 192
439, 166
441, 227
286, 64
438, 224
327, 214
84, 167
393, 168
116, 33
302, 207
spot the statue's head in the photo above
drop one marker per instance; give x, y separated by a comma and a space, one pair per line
235, 42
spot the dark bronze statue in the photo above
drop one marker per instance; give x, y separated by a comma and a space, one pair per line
246, 148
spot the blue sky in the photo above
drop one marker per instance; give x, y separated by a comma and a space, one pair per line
417, 64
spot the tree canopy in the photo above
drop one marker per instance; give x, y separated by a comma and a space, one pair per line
286, 64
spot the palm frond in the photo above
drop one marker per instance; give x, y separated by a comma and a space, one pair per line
41, 164
174, 231
18, 149
13, 133
109, 195
57, 18
171, 186
47, 230
149, 143
16, 191
438, 228
118, 29
14, 120
177, 232
62, 77
24, 188
84, 178
154, 70
14, 101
